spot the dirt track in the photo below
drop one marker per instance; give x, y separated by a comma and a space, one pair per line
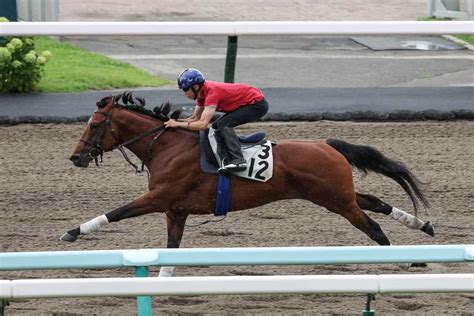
43, 195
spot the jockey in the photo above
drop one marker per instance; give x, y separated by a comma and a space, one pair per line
240, 103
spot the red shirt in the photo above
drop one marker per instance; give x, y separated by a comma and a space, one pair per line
227, 97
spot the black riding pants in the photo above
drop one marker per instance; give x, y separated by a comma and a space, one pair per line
242, 115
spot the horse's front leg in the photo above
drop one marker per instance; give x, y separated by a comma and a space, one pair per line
175, 224
142, 205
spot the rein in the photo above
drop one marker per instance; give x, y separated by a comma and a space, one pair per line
120, 147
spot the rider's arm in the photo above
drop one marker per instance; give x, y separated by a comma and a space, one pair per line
196, 115
197, 125
204, 119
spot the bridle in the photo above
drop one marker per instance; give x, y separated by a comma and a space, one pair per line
97, 151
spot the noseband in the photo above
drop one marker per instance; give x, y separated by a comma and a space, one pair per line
97, 151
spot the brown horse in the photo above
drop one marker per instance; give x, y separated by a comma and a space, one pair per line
317, 171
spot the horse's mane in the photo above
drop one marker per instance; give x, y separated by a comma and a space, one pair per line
137, 104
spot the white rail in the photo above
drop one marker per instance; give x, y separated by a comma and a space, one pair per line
103, 259
237, 28
405, 283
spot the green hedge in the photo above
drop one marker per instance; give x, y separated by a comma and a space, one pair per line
21, 67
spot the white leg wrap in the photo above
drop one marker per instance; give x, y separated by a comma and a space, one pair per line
406, 219
166, 272
94, 224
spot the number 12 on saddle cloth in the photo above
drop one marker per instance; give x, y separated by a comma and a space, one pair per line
259, 159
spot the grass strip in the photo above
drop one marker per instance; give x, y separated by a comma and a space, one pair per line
73, 69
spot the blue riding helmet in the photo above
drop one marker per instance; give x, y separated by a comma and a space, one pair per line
190, 77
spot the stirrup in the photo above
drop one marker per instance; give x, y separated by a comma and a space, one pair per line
231, 167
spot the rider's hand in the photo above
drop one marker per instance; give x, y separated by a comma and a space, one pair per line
170, 123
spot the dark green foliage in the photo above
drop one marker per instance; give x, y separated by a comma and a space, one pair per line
21, 67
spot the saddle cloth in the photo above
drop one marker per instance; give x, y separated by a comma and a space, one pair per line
256, 150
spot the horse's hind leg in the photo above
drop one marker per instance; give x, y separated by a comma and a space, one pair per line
347, 207
376, 205
363, 222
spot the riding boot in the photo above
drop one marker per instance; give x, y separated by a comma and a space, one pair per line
221, 150
231, 141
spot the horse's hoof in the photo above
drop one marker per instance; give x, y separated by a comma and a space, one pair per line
68, 237
428, 228
407, 266
404, 266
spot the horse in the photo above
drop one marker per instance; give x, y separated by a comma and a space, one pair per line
318, 171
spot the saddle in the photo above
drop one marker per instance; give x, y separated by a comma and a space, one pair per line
252, 145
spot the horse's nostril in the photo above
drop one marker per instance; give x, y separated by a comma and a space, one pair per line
74, 158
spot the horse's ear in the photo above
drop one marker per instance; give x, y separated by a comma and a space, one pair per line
117, 98
110, 100
104, 102
176, 114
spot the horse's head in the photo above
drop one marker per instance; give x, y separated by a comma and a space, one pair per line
101, 133
98, 135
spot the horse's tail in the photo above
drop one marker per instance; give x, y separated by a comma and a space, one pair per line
366, 158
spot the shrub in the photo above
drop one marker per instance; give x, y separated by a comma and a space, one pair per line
21, 67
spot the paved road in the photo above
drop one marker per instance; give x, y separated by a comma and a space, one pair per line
291, 61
